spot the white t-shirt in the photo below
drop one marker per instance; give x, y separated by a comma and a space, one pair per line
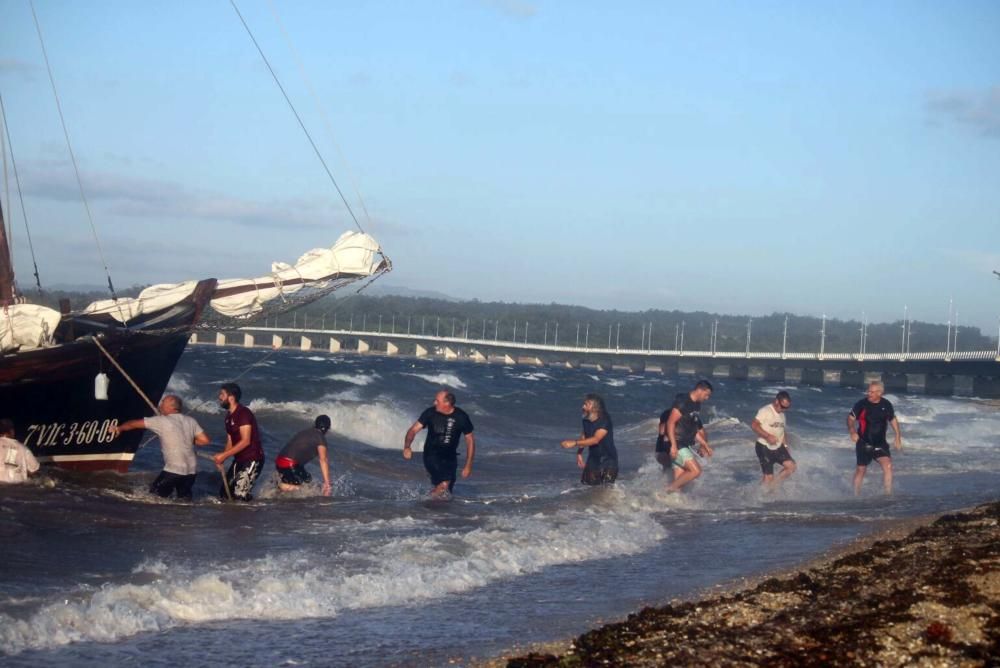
772, 422
176, 434
16, 461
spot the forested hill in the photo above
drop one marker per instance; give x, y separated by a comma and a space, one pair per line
627, 329
624, 329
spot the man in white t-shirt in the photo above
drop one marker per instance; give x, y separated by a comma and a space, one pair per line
178, 435
772, 444
16, 461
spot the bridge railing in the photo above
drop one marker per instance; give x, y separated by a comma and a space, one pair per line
979, 355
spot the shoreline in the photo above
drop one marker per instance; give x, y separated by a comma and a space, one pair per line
920, 589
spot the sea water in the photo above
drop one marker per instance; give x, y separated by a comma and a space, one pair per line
97, 571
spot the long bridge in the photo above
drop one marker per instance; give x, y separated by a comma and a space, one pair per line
947, 373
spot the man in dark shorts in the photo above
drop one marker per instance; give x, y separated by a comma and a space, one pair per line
242, 444
445, 424
867, 424
304, 447
598, 437
771, 445
178, 435
684, 429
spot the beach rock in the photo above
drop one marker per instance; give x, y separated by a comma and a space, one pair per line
929, 599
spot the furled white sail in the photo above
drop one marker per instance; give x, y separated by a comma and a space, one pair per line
26, 326
354, 255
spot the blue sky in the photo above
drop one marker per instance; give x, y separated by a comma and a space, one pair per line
749, 158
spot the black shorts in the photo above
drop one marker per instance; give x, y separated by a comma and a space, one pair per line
599, 475
442, 467
294, 475
166, 483
865, 452
768, 458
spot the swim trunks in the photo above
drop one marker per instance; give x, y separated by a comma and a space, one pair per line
865, 452
768, 458
599, 476
290, 472
442, 465
684, 455
166, 483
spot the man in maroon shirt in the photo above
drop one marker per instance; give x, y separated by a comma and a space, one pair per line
242, 444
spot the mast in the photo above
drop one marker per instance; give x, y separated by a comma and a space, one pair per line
7, 295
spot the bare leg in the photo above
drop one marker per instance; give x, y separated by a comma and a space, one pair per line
767, 479
886, 464
440, 491
787, 469
690, 471
859, 476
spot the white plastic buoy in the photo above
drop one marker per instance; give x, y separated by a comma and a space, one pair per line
101, 386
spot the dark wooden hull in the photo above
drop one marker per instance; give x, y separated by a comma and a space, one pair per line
49, 392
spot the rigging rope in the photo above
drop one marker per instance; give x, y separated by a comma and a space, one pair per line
69, 146
321, 109
297, 117
20, 194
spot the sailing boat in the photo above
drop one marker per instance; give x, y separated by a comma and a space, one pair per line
68, 376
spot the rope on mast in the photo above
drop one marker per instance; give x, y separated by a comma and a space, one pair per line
321, 109
69, 146
20, 194
297, 117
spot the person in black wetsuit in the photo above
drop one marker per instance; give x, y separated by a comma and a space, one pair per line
867, 424
445, 424
598, 437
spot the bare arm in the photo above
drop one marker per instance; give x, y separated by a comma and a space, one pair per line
852, 427
702, 439
584, 442
234, 448
758, 429
899, 435
129, 426
201, 438
324, 467
408, 439
675, 417
470, 453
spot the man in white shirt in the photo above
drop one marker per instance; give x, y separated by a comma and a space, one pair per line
178, 435
16, 461
772, 444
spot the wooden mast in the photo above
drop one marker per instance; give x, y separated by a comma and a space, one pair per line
7, 295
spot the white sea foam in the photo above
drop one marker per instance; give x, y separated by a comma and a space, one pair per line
179, 383
440, 379
298, 585
616, 382
377, 423
359, 379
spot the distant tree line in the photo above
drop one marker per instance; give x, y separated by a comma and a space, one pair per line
652, 329
578, 325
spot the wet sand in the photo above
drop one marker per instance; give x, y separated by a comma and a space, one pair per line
926, 595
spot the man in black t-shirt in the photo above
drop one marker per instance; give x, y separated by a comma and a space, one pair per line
867, 423
445, 424
684, 429
598, 437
